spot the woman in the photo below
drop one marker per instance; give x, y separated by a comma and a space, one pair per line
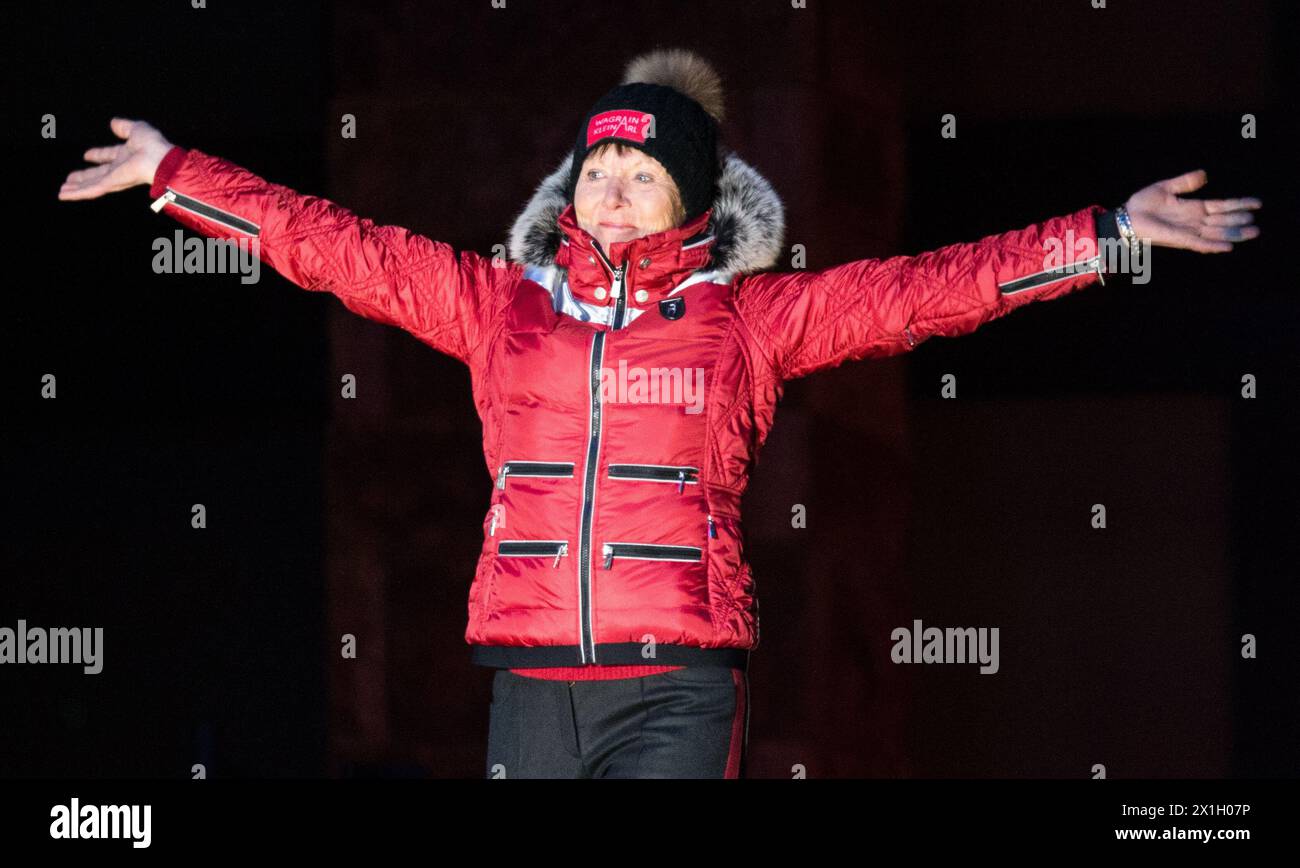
626, 364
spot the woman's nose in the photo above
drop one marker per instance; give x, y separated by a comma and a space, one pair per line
614, 192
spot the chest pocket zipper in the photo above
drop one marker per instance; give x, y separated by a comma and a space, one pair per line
682, 475
648, 552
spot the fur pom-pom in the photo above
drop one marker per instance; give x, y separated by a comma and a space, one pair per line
682, 70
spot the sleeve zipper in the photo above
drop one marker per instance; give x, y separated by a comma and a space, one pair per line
206, 211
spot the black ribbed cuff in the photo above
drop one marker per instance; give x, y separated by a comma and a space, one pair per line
1108, 241
1106, 226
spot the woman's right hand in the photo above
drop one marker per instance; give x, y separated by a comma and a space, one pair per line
121, 166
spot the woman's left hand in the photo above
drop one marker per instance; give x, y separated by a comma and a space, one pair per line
1204, 225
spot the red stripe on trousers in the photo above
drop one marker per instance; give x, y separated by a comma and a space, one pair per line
737, 726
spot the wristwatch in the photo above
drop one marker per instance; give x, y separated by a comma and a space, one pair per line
1125, 226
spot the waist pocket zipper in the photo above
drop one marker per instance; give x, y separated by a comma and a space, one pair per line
649, 552
682, 475
557, 469
533, 548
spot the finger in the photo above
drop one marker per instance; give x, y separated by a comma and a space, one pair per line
82, 191
67, 193
1229, 233
87, 176
1232, 218
103, 155
91, 182
1218, 206
121, 127
1194, 242
1185, 183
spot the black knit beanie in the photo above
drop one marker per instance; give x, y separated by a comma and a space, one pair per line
662, 121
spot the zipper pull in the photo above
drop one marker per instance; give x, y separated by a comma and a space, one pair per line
609, 555
617, 289
501, 476
681, 481
564, 550
713, 531
496, 513
162, 200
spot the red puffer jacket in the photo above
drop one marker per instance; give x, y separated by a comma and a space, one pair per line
625, 394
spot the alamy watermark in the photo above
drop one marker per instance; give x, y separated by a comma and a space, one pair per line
636, 385
75, 820
181, 255
1114, 254
81, 645
921, 644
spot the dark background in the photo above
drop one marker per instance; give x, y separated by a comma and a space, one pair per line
325, 516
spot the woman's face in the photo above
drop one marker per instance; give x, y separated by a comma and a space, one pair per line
621, 196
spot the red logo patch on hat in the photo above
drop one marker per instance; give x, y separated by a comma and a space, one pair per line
627, 124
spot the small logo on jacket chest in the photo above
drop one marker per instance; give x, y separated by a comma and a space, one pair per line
672, 308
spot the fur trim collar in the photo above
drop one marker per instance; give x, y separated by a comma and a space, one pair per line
748, 220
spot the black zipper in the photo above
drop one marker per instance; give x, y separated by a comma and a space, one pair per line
203, 209
587, 646
649, 552
559, 469
682, 475
620, 300
620, 303
533, 548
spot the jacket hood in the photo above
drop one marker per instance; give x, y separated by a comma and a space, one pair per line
746, 220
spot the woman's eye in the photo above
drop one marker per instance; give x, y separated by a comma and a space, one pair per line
644, 177
593, 174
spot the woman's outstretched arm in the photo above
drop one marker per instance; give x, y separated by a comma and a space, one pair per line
385, 273
813, 320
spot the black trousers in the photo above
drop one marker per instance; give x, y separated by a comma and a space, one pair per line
688, 723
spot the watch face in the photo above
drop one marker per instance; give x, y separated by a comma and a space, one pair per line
672, 308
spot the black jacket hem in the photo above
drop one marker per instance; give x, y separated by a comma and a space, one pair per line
607, 654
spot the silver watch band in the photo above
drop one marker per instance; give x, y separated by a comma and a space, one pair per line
1125, 226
